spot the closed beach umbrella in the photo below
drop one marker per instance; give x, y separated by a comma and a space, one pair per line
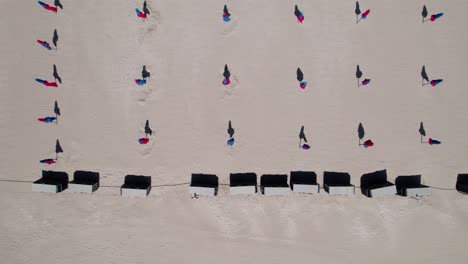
56, 75
302, 136
361, 132
230, 130
144, 73
148, 129
358, 74
56, 109
357, 11
57, 3
226, 14
299, 15
424, 13
422, 131
55, 38
58, 149
145, 8
424, 75
227, 75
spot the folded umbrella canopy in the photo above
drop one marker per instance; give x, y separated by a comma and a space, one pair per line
44, 44
48, 161
46, 83
366, 82
48, 7
226, 74
47, 120
145, 8
143, 141
140, 82
436, 16
140, 14
226, 14
436, 82
365, 14
299, 15
368, 143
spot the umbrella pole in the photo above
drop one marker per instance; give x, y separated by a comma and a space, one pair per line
300, 141
56, 156
358, 82
56, 119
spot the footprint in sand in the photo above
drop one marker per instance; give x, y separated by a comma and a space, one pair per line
230, 27
149, 27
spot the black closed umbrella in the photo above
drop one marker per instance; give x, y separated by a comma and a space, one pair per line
144, 73
145, 8
148, 129
55, 38
424, 75
300, 75
357, 11
230, 130
358, 74
422, 131
226, 72
226, 11
361, 132
424, 13
297, 12
56, 75
302, 136
58, 149
58, 4
56, 111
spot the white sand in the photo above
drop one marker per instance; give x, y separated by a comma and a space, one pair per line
185, 45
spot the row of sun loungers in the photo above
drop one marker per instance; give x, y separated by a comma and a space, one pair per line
373, 184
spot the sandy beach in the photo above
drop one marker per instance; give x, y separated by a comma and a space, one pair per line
102, 47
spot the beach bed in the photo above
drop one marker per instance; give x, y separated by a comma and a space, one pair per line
243, 183
84, 182
136, 186
204, 184
375, 184
411, 186
304, 182
274, 184
338, 183
51, 181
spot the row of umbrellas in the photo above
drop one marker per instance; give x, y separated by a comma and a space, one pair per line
51, 119
361, 134
359, 14
303, 84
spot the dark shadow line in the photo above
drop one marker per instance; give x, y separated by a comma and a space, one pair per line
168, 185
17, 181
